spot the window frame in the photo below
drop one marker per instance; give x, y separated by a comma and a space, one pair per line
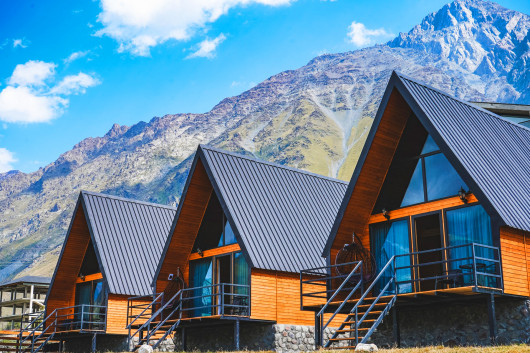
424, 177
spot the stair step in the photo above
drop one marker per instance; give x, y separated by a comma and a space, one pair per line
359, 315
353, 330
15, 344
344, 339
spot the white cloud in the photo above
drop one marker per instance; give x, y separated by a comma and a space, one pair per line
206, 48
22, 43
76, 55
24, 105
7, 158
361, 36
32, 73
75, 84
30, 99
139, 25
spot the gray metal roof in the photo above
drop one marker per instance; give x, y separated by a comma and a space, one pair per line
282, 216
128, 237
494, 152
27, 279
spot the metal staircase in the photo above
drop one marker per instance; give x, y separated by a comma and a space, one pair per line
151, 329
37, 333
159, 319
364, 310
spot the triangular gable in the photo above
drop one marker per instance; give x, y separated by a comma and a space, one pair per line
191, 208
62, 285
280, 216
127, 236
482, 147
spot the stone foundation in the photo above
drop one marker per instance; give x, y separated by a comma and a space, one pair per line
253, 336
452, 324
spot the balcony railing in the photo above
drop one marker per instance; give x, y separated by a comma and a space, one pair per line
469, 265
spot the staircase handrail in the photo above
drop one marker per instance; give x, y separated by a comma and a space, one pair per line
32, 332
158, 312
40, 314
162, 322
323, 309
143, 311
378, 321
370, 287
374, 302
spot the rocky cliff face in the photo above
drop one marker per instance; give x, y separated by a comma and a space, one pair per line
315, 118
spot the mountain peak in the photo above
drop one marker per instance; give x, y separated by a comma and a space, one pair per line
480, 36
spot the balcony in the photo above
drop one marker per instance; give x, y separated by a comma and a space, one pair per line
459, 270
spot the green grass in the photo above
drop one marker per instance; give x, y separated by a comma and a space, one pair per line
441, 349
518, 348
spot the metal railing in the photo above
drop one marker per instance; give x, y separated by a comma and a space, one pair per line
469, 265
212, 300
146, 304
477, 266
319, 283
349, 286
79, 318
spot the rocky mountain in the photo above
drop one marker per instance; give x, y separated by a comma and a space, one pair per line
315, 118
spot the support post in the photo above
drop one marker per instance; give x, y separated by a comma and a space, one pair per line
492, 321
61, 346
318, 344
184, 338
395, 326
236, 335
94, 343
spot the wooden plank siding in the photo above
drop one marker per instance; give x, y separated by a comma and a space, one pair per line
117, 313
515, 253
187, 227
276, 296
373, 172
62, 292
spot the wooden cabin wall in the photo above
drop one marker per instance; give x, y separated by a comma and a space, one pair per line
189, 221
515, 255
62, 292
276, 296
373, 173
117, 313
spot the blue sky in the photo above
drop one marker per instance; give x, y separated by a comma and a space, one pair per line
71, 69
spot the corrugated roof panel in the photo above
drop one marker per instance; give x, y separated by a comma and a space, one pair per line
493, 151
283, 215
129, 237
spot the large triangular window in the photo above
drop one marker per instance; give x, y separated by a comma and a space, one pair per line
419, 172
90, 263
215, 230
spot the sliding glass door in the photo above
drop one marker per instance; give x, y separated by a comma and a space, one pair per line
469, 225
201, 277
389, 239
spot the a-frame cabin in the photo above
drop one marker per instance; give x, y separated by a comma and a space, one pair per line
110, 253
244, 230
439, 199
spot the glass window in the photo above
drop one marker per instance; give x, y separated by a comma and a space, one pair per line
229, 236
389, 239
201, 277
430, 146
414, 193
470, 225
442, 179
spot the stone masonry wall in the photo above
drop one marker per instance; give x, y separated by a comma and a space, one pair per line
279, 338
453, 324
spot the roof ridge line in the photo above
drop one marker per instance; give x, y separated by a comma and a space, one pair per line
272, 164
471, 105
124, 199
